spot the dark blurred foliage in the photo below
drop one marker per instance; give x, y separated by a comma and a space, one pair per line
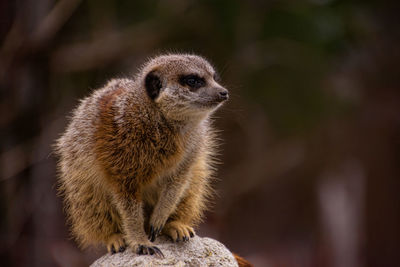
311, 136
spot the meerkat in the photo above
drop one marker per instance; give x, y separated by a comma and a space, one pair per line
137, 157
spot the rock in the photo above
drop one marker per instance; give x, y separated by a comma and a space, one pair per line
196, 252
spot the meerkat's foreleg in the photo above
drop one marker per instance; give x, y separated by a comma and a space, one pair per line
190, 209
169, 198
131, 210
187, 214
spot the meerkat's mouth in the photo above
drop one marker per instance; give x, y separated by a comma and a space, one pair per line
221, 97
210, 103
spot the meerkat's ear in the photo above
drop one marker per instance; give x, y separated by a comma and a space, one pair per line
153, 84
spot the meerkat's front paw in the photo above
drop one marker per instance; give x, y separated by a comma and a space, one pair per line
178, 231
154, 232
147, 250
116, 244
156, 226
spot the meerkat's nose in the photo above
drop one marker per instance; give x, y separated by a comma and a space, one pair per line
223, 94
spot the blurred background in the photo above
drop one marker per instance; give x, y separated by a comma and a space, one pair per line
311, 134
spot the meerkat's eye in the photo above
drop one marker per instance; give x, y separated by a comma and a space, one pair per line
192, 81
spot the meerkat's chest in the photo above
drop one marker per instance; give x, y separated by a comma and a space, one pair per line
174, 152
174, 168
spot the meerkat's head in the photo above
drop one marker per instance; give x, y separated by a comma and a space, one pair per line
183, 86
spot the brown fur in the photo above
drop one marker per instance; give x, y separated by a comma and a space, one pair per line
130, 164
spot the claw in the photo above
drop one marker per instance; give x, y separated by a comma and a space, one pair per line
151, 251
121, 249
152, 235
191, 234
158, 252
113, 249
145, 250
154, 232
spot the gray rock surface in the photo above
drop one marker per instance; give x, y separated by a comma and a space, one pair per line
196, 252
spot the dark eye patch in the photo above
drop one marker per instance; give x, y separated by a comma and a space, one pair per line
192, 80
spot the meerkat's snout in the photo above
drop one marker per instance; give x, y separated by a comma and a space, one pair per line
223, 94
213, 96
